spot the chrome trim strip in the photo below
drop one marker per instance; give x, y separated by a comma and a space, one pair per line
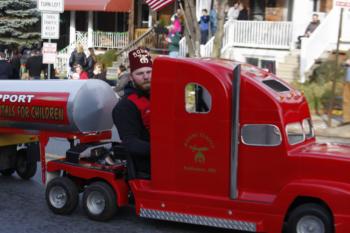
197, 219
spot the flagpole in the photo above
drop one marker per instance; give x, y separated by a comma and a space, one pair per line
187, 27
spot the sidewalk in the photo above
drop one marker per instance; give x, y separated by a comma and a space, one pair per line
337, 130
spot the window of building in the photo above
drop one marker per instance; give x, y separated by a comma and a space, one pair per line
197, 99
261, 135
269, 65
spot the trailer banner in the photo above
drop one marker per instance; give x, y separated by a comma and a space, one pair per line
38, 107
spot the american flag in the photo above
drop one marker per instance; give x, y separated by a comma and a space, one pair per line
158, 4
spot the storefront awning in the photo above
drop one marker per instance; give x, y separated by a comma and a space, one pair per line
98, 5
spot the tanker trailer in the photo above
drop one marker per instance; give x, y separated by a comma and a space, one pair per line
56, 107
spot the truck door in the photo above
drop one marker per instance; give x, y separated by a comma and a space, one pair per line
198, 162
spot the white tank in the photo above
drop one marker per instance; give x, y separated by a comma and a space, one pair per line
57, 105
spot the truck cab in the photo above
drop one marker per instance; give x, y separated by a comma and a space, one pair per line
232, 146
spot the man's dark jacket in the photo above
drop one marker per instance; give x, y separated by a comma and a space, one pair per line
6, 70
133, 133
35, 65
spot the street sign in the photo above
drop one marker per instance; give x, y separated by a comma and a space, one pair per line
50, 26
49, 53
51, 5
342, 3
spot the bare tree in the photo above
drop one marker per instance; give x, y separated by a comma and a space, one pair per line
220, 27
131, 21
192, 32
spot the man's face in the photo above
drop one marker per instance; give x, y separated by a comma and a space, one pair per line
314, 18
141, 78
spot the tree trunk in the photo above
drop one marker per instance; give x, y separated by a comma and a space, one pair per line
131, 21
219, 35
192, 29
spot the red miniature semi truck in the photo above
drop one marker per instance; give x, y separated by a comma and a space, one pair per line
232, 146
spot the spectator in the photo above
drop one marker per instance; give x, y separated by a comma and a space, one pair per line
24, 58
90, 62
243, 12
16, 63
173, 39
213, 18
100, 72
310, 28
204, 26
52, 71
79, 73
176, 21
123, 79
35, 64
233, 12
77, 57
5, 67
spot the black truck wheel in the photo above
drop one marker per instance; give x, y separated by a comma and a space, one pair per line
62, 195
99, 201
7, 172
310, 218
25, 169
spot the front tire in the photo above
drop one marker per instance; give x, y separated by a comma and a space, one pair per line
310, 218
99, 201
25, 169
62, 195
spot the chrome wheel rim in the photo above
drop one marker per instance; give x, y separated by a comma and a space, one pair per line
310, 224
95, 203
58, 197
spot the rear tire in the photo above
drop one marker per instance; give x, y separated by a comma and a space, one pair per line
99, 201
310, 218
24, 168
62, 195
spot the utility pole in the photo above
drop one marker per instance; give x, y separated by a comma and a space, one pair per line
331, 103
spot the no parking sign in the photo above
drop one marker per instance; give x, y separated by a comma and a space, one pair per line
49, 53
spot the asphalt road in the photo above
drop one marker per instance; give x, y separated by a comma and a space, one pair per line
23, 209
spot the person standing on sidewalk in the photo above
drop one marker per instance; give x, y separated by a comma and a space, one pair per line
204, 26
122, 81
173, 39
6, 70
90, 62
35, 65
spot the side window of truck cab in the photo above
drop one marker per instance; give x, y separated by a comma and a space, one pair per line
261, 135
197, 99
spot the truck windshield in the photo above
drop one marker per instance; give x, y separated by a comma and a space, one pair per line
297, 132
308, 128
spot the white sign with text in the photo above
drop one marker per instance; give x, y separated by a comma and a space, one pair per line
51, 5
50, 26
342, 3
49, 53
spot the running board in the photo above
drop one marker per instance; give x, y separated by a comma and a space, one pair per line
197, 219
